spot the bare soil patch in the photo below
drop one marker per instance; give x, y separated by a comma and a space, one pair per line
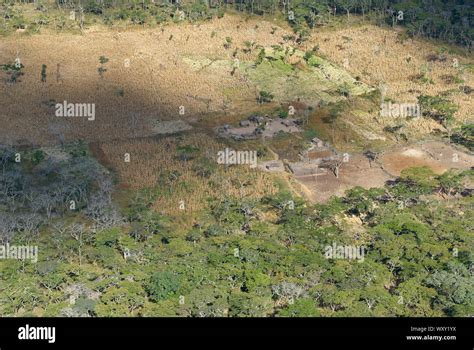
356, 172
435, 155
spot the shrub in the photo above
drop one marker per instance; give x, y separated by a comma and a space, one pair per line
283, 114
260, 57
18, 22
42, 20
307, 55
228, 42
94, 7
344, 90
162, 285
37, 156
43, 73
138, 16
264, 96
122, 14
14, 71
464, 136
438, 108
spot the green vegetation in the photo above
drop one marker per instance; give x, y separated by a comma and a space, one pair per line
240, 257
464, 136
43, 73
111, 251
228, 42
13, 71
272, 72
102, 60
438, 108
162, 285
264, 97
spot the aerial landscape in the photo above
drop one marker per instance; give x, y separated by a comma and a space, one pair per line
236, 158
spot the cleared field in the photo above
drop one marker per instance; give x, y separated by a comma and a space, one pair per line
356, 172
435, 155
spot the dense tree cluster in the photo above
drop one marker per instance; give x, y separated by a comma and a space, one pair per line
245, 257
36, 189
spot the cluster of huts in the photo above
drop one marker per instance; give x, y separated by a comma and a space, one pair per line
318, 159
259, 126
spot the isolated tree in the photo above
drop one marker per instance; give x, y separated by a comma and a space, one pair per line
228, 42
371, 156
79, 232
333, 165
264, 97
102, 60
43, 73
347, 5
8, 226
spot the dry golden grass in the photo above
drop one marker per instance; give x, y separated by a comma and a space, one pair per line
154, 86
152, 158
377, 55
159, 81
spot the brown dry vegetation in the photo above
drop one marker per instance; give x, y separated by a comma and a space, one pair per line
153, 161
154, 86
380, 56
160, 78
